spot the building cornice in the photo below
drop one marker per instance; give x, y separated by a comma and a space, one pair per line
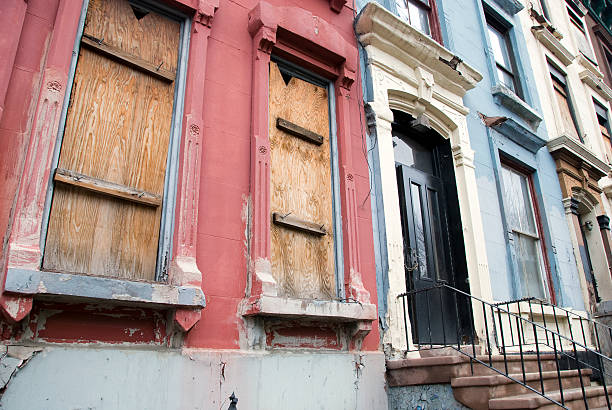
381, 29
570, 148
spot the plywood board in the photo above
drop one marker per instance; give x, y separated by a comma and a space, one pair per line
117, 130
302, 263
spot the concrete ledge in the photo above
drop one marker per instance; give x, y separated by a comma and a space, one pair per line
513, 102
553, 44
65, 285
570, 146
327, 310
510, 6
521, 135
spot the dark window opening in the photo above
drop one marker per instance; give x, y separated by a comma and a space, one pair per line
575, 15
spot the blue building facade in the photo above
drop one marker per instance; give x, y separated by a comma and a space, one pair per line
508, 138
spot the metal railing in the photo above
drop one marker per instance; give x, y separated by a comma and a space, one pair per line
506, 333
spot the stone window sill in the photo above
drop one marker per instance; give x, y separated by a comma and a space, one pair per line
511, 101
93, 288
553, 44
322, 310
510, 6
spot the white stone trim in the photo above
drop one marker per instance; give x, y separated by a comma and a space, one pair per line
420, 83
553, 44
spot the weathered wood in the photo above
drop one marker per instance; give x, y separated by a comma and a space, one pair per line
300, 132
129, 60
107, 188
117, 130
290, 221
302, 263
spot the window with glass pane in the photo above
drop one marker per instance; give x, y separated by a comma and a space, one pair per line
602, 119
521, 221
560, 89
416, 13
503, 55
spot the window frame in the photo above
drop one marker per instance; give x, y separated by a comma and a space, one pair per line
435, 30
601, 113
545, 269
494, 23
297, 71
167, 221
559, 84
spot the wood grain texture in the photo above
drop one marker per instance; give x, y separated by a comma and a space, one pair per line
117, 130
129, 60
302, 263
298, 131
106, 188
290, 221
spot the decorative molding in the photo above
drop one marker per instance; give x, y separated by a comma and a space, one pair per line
520, 134
581, 154
604, 222
381, 29
596, 83
24, 254
94, 288
410, 72
337, 5
508, 98
335, 57
205, 12
571, 206
553, 44
327, 310
24, 247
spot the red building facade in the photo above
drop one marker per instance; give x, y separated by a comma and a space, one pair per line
238, 290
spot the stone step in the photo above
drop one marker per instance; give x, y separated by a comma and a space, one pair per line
437, 351
596, 398
547, 363
440, 369
476, 391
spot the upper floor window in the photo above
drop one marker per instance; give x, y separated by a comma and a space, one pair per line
579, 30
604, 124
502, 52
560, 88
575, 15
422, 15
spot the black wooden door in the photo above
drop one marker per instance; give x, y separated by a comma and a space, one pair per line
427, 255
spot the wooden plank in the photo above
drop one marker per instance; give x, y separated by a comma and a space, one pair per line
128, 59
297, 131
117, 130
303, 263
292, 222
107, 188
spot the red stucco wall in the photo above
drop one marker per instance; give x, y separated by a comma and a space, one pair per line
224, 187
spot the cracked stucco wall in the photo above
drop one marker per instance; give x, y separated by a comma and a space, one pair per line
105, 378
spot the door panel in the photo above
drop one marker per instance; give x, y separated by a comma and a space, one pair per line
427, 252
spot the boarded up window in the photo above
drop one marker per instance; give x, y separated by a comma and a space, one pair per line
301, 192
559, 82
106, 210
